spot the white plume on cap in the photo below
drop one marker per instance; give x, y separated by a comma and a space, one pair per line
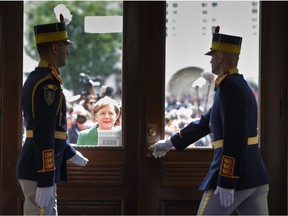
62, 9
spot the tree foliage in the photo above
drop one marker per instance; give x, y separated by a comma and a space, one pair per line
91, 53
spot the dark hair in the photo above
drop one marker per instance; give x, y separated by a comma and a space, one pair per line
109, 91
44, 47
81, 119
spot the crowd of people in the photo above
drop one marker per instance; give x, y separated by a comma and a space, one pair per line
184, 109
179, 112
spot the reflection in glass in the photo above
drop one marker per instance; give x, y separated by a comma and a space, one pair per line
189, 81
93, 69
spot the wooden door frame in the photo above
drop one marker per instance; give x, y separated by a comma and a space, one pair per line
273, 87
11, 61
273, 83
144, 59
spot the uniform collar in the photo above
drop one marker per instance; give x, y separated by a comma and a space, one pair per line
43, 63
223, 75
54, 71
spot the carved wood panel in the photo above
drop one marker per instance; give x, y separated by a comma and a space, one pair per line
180, 174
98, 207
179, 207
108, 173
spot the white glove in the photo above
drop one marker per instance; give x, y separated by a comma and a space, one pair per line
43, 196
161, 148
79, 159
226, 196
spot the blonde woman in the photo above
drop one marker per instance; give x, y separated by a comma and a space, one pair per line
106, 112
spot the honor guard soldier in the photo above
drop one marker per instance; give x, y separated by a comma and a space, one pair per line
237, 178
42, 160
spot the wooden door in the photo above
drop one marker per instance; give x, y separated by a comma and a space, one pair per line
168, 185
11, 58
128, 180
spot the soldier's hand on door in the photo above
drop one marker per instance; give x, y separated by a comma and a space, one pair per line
79, 159
160, 148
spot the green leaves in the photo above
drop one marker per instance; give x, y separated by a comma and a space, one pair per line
97, 54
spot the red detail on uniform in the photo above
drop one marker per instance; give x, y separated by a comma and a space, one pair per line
226, 72
48, 160
55, 73
227, 166
217, 29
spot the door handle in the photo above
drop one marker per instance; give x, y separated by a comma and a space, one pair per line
152, 136
152, 132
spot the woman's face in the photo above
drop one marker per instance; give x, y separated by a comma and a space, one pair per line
106, 117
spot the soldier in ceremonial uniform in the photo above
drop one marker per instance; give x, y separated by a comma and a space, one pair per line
42, 160
237, 178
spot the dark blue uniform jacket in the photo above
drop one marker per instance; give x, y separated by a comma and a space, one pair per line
231, 121
45, 151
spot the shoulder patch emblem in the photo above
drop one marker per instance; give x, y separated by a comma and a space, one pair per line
51, 87
49, 93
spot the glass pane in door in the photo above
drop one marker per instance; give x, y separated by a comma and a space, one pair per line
189, 81
93, 68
